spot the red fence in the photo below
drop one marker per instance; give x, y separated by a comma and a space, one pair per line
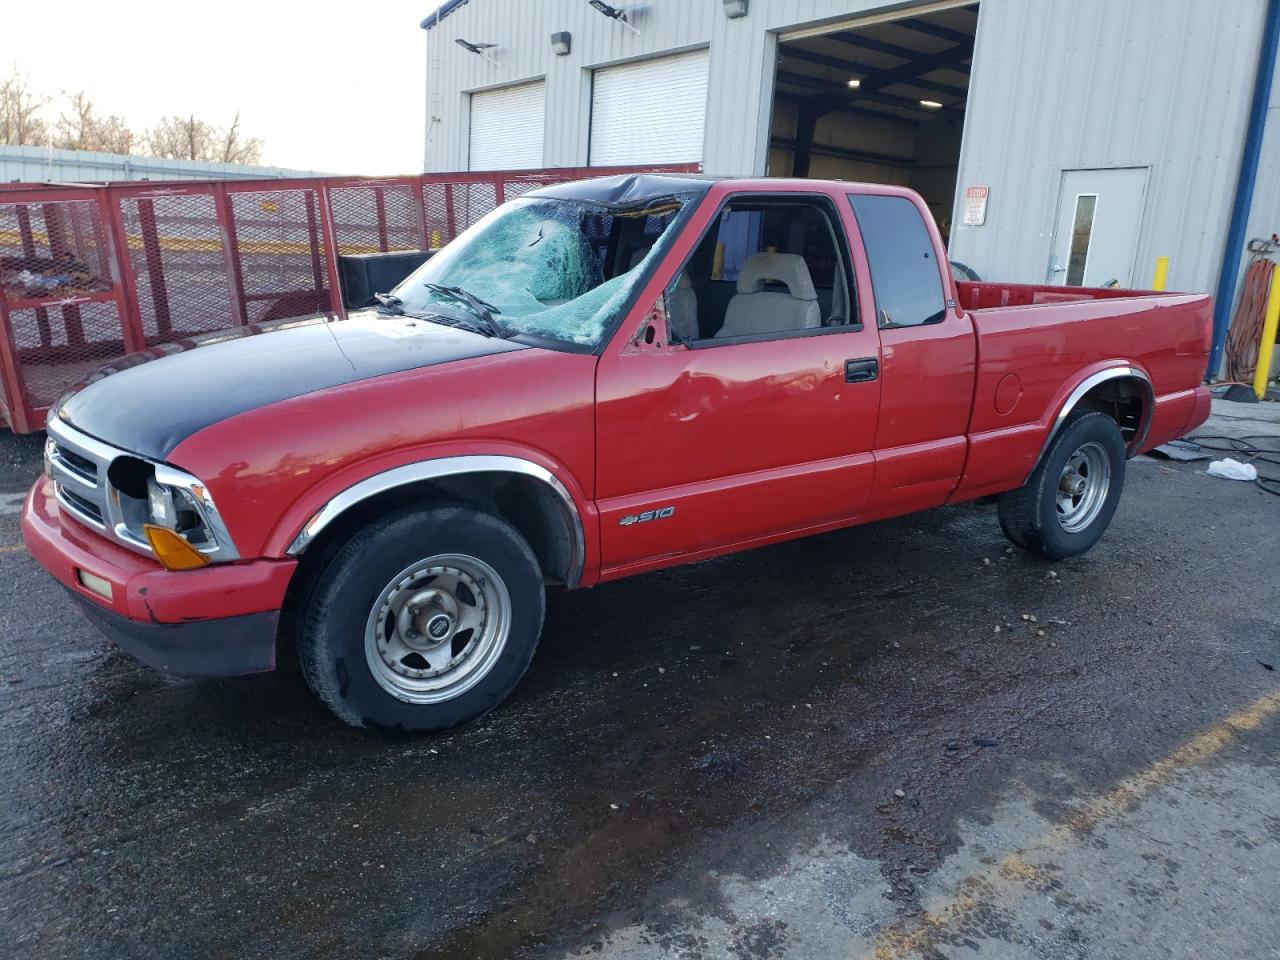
89, 273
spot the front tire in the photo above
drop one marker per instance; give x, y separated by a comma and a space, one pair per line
1068, 501
423, 621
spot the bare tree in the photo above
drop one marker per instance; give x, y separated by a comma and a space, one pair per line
20, 121
181, 138
236, 150
190, 138
81, 128
115, 136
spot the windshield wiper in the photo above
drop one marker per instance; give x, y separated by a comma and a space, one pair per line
390, 303
485, 330
483, 310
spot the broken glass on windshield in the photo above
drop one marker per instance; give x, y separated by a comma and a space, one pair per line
560, 269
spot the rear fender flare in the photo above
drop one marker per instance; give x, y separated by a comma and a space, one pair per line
1081, 389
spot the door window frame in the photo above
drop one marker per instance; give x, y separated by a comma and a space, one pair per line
830, 208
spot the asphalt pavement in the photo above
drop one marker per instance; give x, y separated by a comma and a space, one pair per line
901, 740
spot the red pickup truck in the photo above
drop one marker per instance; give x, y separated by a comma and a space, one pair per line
596, 380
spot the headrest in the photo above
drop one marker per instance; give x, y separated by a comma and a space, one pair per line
787, 268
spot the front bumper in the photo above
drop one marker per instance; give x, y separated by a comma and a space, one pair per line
203, 648
218, 620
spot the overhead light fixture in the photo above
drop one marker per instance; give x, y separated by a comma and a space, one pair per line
855, 83
613, 13
479, 49
560, 43
733, 9
931, 104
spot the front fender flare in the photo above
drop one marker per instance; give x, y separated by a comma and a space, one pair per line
435, 469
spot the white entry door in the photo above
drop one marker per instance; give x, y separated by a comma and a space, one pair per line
1099, 222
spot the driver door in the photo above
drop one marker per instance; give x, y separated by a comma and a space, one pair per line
743, 409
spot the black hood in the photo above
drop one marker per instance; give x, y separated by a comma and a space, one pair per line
149, 408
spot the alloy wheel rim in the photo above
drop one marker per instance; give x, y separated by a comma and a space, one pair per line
437, 628
1083, 487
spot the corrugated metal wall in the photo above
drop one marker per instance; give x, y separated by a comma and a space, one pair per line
740, 91
1056, 85
1072, 84
41, 165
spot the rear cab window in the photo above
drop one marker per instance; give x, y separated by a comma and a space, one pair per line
905, 277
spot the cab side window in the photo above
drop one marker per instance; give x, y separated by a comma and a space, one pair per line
904, 268
766, 267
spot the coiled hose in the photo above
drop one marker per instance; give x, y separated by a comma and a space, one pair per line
1245, 332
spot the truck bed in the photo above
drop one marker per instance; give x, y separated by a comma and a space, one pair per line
983, 295
1034, 343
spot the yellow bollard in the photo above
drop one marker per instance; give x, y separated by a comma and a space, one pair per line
717, 262
1162, 273
1268, 344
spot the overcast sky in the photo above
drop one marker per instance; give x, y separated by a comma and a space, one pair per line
328, 86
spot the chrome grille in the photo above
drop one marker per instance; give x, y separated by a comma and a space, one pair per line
83, 467
78, 465
86, 508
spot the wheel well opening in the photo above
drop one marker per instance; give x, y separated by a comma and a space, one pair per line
528, 504
1127, 400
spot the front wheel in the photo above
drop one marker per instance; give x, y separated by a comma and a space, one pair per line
1068, 501
422, 621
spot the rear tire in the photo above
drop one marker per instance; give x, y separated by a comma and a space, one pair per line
423, 621
1068, 501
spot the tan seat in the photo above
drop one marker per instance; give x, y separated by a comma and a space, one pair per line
682, 308
754, 309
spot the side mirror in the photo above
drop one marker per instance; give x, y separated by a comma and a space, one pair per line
651, 334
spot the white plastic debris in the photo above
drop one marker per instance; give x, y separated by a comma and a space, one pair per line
1229, 469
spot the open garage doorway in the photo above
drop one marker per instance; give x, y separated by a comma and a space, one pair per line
880, 100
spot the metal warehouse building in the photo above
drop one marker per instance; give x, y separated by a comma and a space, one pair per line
1068, 141
45, 165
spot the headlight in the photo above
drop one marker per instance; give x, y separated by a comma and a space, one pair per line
160, 505
183, 526
176, 507
149, 498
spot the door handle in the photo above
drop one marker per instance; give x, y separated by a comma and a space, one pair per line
861, 371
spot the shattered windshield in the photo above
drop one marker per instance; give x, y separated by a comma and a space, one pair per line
559, 269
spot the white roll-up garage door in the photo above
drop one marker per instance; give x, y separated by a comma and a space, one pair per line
506, 127
652, 111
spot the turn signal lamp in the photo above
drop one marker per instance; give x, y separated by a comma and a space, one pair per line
172, 549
